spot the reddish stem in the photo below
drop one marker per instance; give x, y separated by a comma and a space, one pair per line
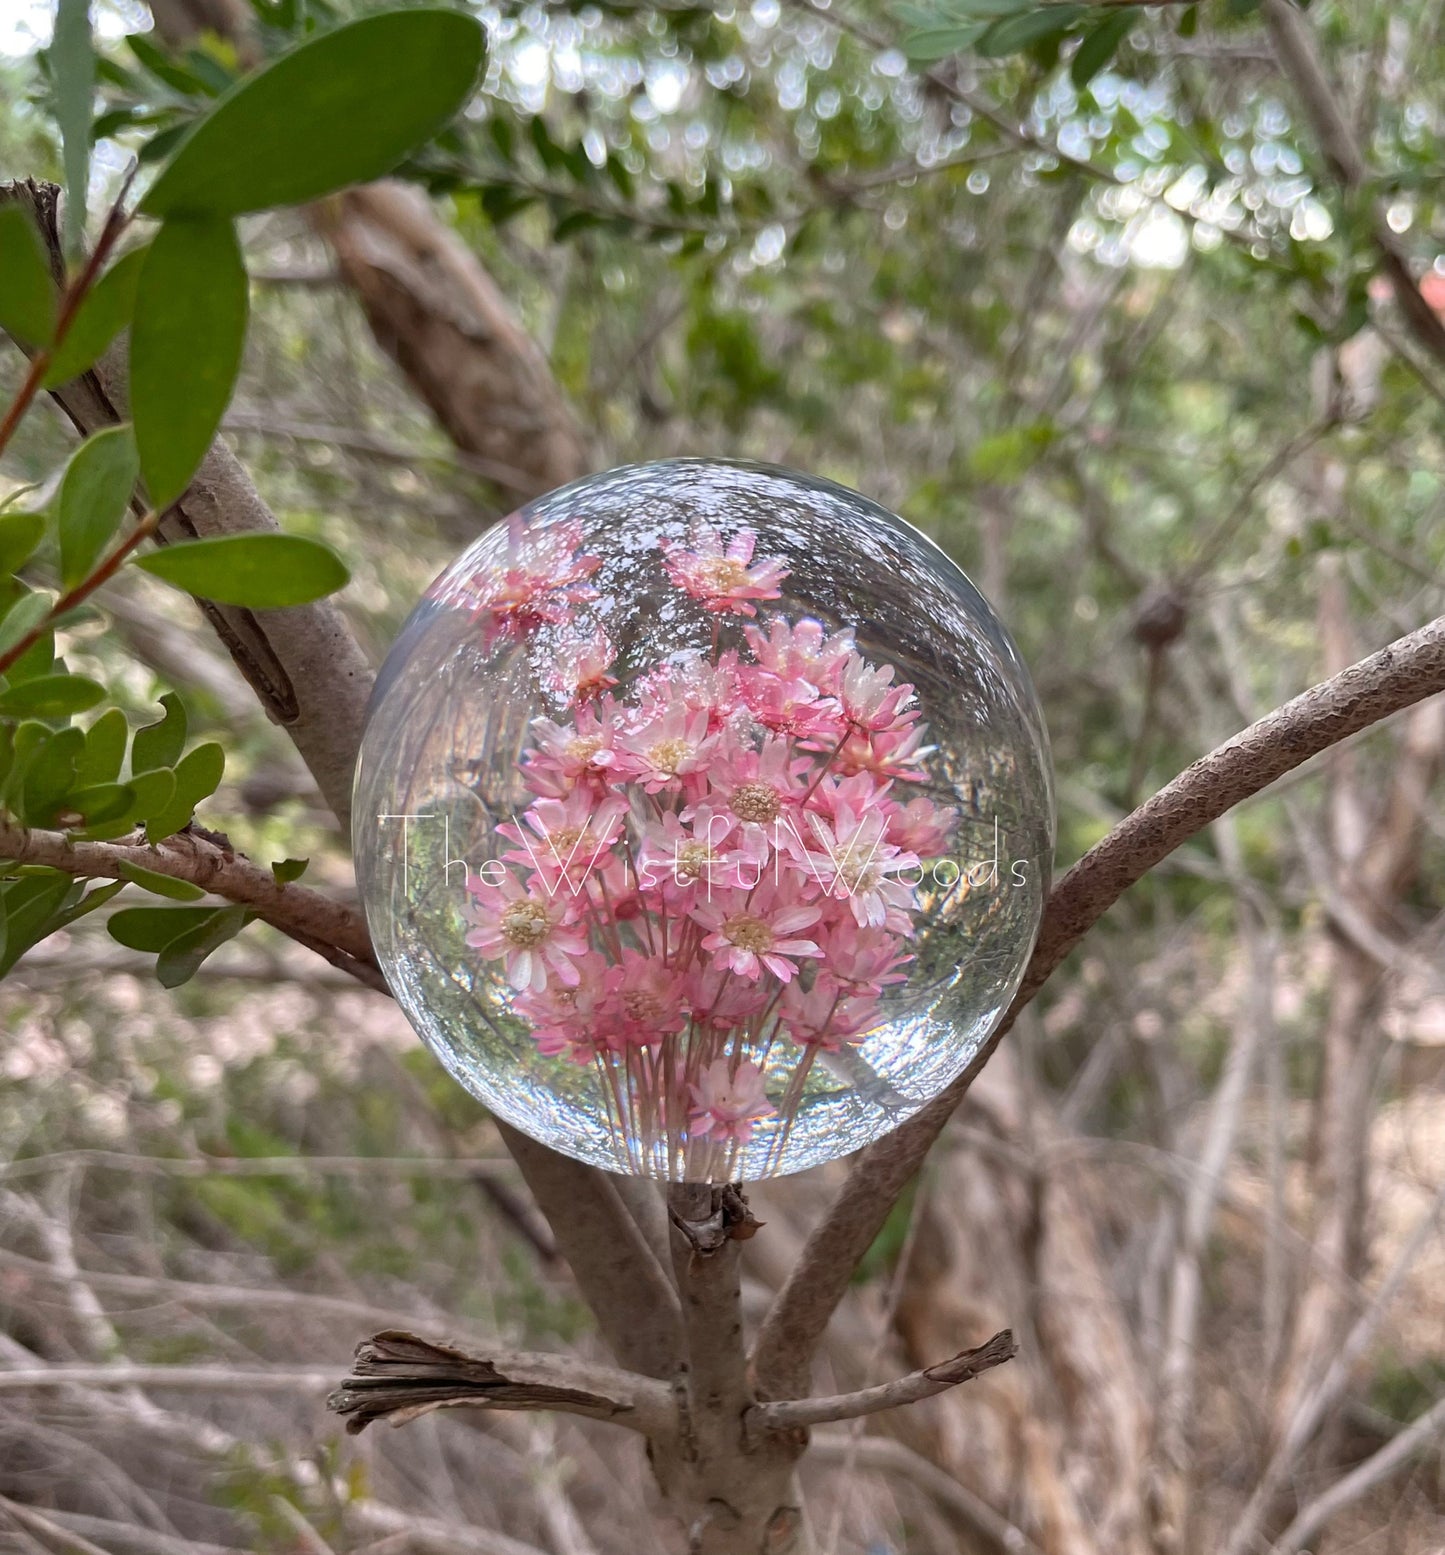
82, 590
70, 300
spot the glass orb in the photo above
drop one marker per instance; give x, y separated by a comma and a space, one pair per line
703, 820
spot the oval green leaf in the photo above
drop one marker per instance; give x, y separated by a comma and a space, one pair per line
1100, 46
260, 572
104, 748
342, 109
19, 535
1015, 33
181, 959
98, 804
28, 295
50, 696
159, 884
196, 775
95, 492
22, 618
153, 928
160, 744
185, 348
106, 310
72, 72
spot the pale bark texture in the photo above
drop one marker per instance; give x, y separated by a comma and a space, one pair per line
442, 319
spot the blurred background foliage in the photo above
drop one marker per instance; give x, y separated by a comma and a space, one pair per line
1077, 291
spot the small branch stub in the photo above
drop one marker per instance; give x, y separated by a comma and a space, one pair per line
398, 1377
722, 1216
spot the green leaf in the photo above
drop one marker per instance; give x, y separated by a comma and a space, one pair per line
38, 659
185, 348
50, 696
180, 961
105, 311
104, 749
20, 533
936, 43
24, 743
98, 804
28, 299
343, 108
197, 776
95, 492
50, 775
153, 792
1099, 47
28, 907
72, 68
289, 869
87, 904
166, 70
22, 618
161, 885
160, 744
260, 571
1015, 33
153, 928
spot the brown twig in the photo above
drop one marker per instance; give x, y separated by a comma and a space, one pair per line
308, 916
1405, 672
71, 298
398, 1377
798, 1413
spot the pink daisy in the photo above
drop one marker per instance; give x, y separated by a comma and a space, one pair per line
529, 933
756, 931
726, 1105
721, 578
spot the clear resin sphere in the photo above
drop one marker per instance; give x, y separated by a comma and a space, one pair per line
703, 820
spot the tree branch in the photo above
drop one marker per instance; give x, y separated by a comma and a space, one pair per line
794, 1414
1362, 1479
621, 1280
329, 927
1299, 61
398, 1377
1406, 672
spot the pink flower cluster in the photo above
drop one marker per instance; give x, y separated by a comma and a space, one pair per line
715, 880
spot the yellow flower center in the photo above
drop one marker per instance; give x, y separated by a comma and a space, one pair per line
584, 747
564, 839
694, 859
722, 573
668, 755
754, 802
525, 924
748, 933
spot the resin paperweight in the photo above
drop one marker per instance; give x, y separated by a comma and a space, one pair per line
704, 820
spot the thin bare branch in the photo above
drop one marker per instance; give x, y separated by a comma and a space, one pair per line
1407, 671
615, 1268
1362, 1479
219, 1379
791, 1414
885, 1455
